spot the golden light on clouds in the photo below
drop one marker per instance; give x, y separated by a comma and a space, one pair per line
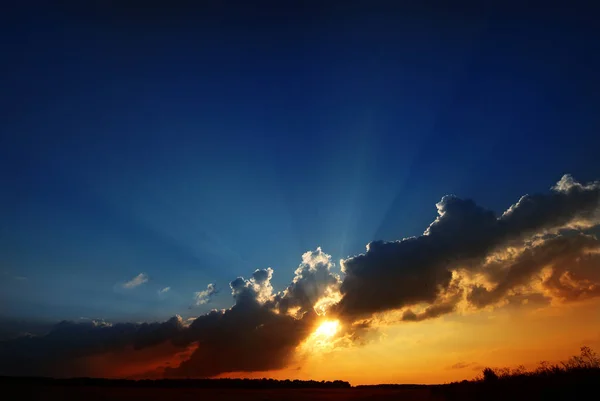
331, 297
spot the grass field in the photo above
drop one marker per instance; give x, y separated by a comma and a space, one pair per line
188, 394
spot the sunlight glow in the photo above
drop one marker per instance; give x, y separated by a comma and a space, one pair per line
323, 339
327, 329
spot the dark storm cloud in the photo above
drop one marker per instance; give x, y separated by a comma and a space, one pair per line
257, 333
14, 328
59, 352
247, 337
250, 336
429, 312
393, 275
445, 303
569, 201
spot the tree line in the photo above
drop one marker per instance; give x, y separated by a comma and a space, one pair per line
175, 383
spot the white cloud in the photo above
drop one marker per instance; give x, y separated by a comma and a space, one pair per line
164, 290
257, 287
136, 281
203, 297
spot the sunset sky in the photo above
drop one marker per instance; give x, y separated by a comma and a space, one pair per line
366, 191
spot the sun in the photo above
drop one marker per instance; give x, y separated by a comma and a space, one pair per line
327, 329
323, 339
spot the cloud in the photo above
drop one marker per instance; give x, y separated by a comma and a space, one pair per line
429, 312
518, 299
544, 248
572, 261
136, 281
162, 293
11, 328
314, 287
65, 350
418, 270
250, 336
461, 365
258, 287
204, 297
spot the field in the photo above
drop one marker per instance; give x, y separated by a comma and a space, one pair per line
188, 394
499, 390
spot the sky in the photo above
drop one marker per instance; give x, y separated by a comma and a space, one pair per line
150, 156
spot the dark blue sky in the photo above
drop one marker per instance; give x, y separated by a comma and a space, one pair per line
198, 143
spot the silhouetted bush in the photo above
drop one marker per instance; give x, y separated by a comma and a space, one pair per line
570, 380
489, 375
588, 360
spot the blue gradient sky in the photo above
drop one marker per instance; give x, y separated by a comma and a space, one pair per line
198, 144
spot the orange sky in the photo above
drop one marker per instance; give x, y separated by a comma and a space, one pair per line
454, 347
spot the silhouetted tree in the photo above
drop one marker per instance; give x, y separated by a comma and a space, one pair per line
489, 375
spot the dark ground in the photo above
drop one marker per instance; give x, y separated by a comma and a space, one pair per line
554, 383
464, 393
47, 393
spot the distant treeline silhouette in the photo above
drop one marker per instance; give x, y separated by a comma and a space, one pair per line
397, 386
173, 383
